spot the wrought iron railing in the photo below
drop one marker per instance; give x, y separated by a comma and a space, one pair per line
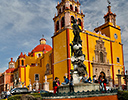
82, 94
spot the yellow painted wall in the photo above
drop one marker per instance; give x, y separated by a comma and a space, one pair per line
60, 55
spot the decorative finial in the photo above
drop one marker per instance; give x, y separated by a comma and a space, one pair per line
58, 3
55, 14
77, 0
108, 2
81, 11
42, 35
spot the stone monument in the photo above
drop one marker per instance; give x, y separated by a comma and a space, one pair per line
78, 57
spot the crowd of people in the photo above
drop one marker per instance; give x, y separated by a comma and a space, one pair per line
101, 80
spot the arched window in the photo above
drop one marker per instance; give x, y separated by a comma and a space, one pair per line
72, 19
76, 9
107, 19
101, 57
71, 7
36, 77
57, 25
62, 22
22, 62
63, 7
79, 22
113, 21
60, 10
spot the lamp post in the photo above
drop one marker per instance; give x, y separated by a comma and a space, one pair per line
126, 79
119, 80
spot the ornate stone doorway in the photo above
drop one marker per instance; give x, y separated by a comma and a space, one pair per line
100, 63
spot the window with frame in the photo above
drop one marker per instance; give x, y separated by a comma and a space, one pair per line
57, 26
72, 19
62, 22
76, 9
63, 7
36, 77
71, 7
118, 59
22, 62
79, 22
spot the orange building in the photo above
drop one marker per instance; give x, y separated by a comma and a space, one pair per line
6, 78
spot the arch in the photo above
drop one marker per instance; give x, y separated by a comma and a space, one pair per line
71, 7
72, 19
57, 25
113, 21
62, 22
79, 22
63, 7
22, 62
76, 9
59, 10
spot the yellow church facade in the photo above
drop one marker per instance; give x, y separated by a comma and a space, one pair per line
34, 67
103, 49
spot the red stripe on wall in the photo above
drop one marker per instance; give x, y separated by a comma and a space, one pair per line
68, 53
20, 72
123, 57
25, 75
53, 57
88, 55
112, 62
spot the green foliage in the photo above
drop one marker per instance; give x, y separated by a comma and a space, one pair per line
36, 95
122, 95
15, 97
18, 97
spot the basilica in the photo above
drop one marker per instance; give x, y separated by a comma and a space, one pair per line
102, 48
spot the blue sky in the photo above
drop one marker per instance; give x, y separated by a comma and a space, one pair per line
22, 23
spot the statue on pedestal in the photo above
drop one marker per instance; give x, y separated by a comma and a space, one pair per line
78, 57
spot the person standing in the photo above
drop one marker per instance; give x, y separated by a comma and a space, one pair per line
8, 93
55, 85
103, 81
71, 84
58, 84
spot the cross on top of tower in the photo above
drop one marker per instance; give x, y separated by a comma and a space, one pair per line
108, 2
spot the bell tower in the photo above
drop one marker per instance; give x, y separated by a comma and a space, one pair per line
110, 17
67, 10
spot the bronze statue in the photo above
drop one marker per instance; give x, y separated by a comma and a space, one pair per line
76, 51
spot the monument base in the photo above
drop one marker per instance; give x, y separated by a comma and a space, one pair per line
79, 87
76, 77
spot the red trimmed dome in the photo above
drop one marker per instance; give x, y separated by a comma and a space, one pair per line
42, 47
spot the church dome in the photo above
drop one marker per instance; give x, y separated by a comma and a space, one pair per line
42, 46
